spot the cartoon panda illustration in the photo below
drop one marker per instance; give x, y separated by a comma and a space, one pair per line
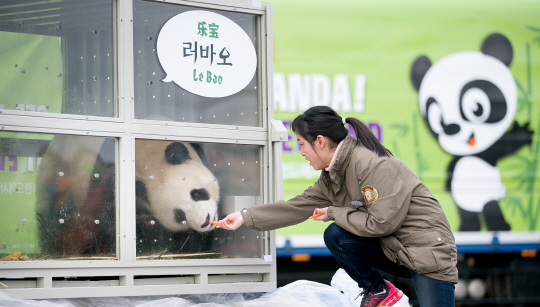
177, 197
468, 100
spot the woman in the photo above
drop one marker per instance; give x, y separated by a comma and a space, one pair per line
385, 219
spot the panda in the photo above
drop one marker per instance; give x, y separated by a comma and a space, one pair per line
177, 197
75, 201
173, 183
468, 100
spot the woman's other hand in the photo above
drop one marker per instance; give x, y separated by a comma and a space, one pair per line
324, 216
231, 221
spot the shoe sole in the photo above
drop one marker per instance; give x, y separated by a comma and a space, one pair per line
394, 295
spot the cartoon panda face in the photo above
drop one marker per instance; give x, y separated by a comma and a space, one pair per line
175, 186
469, 100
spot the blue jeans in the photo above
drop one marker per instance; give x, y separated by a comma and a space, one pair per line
363, 257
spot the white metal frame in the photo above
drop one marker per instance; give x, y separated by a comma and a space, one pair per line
128, 276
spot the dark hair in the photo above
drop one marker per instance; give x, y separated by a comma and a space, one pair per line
323, 120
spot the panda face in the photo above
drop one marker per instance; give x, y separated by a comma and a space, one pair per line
175, 186
469, 100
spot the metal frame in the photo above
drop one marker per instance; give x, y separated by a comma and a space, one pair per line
128, 276
466, 242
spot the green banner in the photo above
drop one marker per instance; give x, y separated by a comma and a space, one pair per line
451, 88
31, 70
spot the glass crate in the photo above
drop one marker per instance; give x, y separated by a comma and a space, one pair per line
154, 97
57, 199
127, 127
181, 188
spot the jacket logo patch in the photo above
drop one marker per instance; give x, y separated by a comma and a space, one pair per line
370, 193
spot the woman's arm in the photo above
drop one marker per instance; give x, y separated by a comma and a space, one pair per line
280, 214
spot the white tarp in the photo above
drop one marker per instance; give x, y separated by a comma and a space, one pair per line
343, 292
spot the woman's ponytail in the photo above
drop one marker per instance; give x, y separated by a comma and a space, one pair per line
367, 138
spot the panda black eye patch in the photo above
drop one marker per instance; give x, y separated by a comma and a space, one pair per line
176, 153
199, 194
497, 101
179, 216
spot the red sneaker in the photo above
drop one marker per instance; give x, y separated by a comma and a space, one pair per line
386, 297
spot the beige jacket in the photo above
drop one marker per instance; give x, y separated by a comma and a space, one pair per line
409, 222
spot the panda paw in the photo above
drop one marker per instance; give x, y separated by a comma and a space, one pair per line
522, 133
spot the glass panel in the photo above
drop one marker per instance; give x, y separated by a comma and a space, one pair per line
157, 99
57, 196
182, 188
57, 57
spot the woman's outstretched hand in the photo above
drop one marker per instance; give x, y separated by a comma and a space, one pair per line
323, 217
231, 221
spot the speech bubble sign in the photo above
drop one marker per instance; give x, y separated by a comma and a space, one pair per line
206, 54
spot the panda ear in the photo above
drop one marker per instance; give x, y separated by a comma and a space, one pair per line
176, 153
498, 46
419, 69
200, 152
140, 190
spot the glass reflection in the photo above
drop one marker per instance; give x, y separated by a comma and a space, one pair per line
181, 188
57, 196
59, 62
